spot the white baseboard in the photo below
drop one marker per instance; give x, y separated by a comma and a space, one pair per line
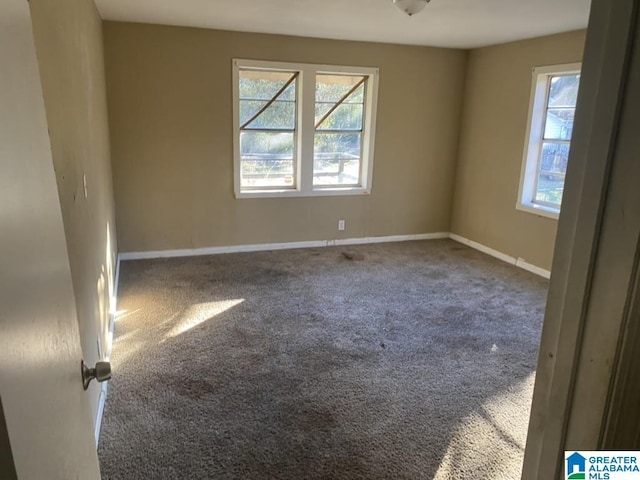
532, 268
277, 246
258, 247
518, 262
100, 412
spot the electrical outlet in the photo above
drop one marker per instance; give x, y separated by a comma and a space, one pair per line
341, 225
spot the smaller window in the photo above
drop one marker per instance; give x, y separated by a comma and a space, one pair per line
554, 93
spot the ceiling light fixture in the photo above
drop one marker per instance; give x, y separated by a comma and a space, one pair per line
411, 7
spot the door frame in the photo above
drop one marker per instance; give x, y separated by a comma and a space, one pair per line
595, 256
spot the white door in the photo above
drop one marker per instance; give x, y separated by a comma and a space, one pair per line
46, 409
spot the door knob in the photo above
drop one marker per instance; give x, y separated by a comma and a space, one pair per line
101, 372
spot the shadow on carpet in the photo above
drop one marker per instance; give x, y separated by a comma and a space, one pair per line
410, 360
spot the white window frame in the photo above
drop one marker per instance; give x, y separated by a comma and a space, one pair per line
305, 129
541, 77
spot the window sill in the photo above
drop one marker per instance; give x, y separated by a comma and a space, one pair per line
539, 210
323, 192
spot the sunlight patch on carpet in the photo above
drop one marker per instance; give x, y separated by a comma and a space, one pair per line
120, 315
199, 313
493, 423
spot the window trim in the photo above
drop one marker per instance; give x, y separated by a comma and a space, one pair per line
305, 129
534, 136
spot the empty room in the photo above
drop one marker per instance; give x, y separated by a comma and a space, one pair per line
297, 239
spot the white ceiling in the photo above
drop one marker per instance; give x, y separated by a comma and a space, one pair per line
443, 23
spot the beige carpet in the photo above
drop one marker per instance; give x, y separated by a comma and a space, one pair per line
392, 361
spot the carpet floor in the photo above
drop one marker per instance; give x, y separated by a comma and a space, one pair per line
410, 360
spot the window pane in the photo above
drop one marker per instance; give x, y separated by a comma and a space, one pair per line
559, 123
554, 158
550, 188
267, 159
553, 167
279, 115
263, 85
331, 88
336, 159
322, 109
343, 145
327, 172
563, 90
344, 117
257, 89
346, 112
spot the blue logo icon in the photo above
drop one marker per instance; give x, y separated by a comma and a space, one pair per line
576, 467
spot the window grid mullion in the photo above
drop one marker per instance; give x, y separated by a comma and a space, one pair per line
322, 130
307, 130
268, 130
364, 116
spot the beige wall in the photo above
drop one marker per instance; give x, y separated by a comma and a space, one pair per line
170, 106
496, 103
68, 37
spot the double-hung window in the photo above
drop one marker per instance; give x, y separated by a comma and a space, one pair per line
302, 129
552, 109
